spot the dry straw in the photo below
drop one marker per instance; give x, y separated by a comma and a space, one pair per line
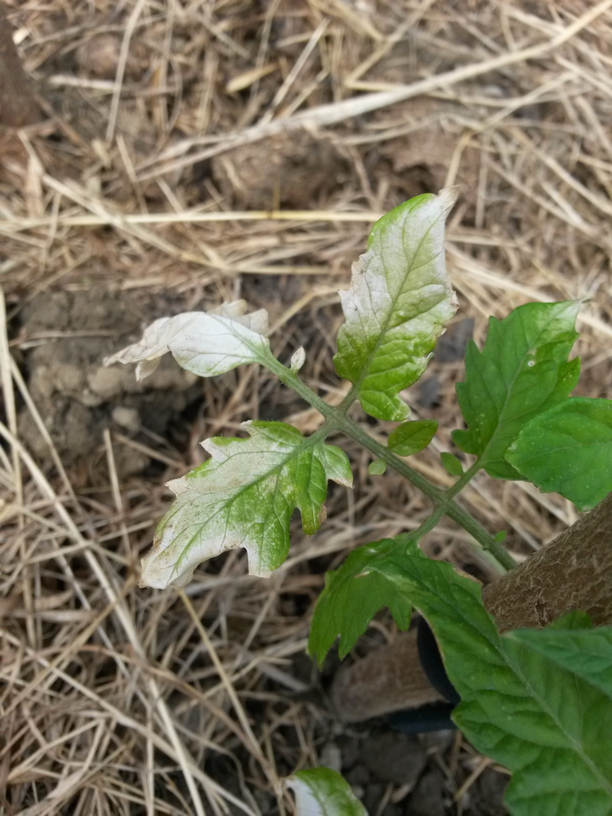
195, 152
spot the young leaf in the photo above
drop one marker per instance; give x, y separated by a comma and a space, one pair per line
298, 358
399, 300
377, 467
521, 372
568, 449
412, 437
538, 701
352, 595
451, 464
205, 343
244, 496
323, 792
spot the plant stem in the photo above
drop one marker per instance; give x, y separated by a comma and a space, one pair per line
336, 419
443, 500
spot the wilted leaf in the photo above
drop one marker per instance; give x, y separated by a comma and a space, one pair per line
244, 496
399, 301
205, 343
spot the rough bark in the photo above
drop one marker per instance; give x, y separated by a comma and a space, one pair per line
18, 107
573, 571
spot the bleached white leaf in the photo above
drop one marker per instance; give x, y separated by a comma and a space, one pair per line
298, 359
205, 343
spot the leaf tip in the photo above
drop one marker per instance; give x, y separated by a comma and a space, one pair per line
448, 197
297, 359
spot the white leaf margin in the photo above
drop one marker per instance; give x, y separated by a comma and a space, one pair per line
205, 343
323, 792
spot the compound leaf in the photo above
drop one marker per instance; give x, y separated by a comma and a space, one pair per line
568, 449
205, 343
521, 372
352, 595
398, 303
244, 496
538, 701
323, 792
412, 437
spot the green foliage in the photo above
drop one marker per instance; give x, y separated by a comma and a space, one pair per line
411, 437
323, 792
399, 301
451, 464
568, 449
377, 467
353, 594
243, 496
521, 371
540, 702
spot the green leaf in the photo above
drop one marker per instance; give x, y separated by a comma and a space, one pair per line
377, 467
323, 792
352, 595
412, 437
451, 464
538, 701
244, 496
582, 651
568, 449
399, 301
205, 343
521, 372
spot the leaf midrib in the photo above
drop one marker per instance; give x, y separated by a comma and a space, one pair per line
482, 459
506, 659
385, 325
509, 662
572, 742
307, 442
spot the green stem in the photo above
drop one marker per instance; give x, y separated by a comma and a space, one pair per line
336, 419
443, 500
440, 510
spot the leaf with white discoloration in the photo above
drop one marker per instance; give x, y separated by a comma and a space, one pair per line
244, 496
205, 343
323, 792
298, 358
399, 301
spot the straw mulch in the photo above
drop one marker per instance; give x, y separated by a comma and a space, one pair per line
194, 152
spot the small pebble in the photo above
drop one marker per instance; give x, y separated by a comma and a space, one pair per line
105, 382
127, 418
331, 757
